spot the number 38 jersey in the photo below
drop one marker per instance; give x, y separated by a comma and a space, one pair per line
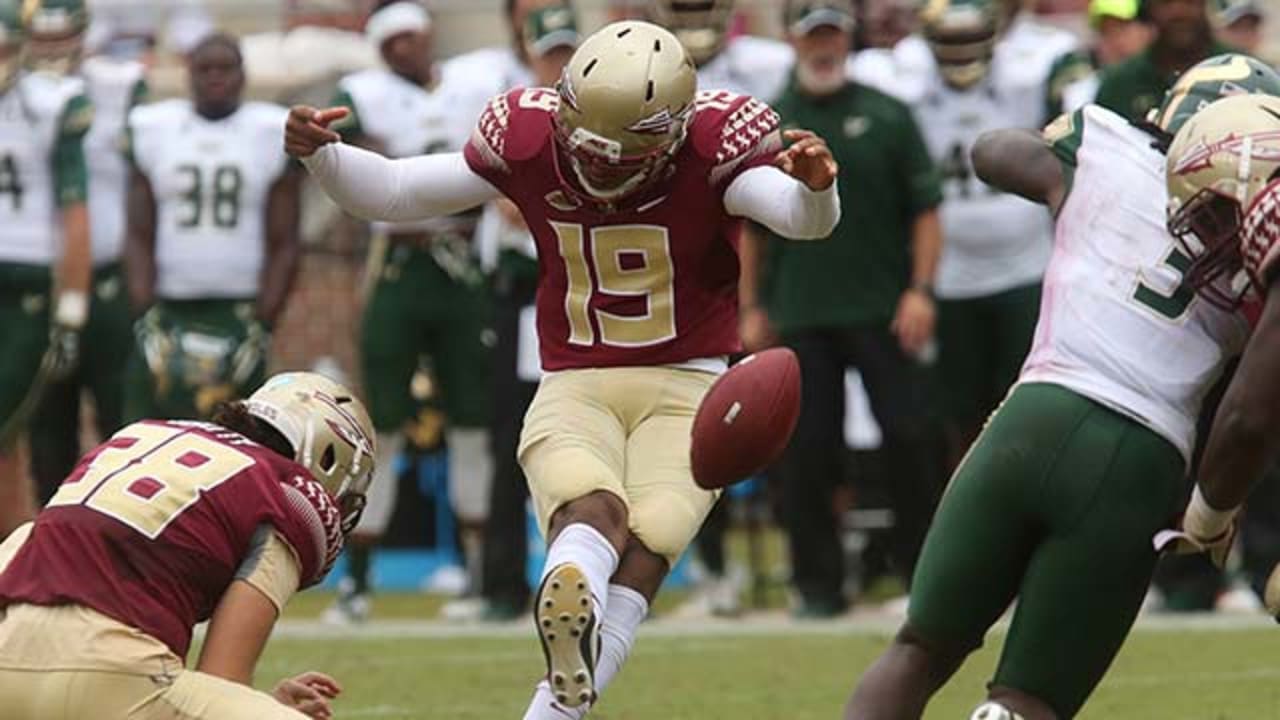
651, 285
153, 525
211, 180
1117, 322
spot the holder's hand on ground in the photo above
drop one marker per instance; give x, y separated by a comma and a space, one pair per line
307, 129
309, 694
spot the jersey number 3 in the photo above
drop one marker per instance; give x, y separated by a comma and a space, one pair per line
148, 475
1174, 305
628, 261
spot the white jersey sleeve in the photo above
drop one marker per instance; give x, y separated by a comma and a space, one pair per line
33, 121
211, 181
113, 87
1117, 323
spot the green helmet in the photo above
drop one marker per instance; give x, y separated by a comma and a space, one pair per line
1219, 76
12, 40
962, 36
55, 29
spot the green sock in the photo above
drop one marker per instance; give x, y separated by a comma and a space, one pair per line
358, 567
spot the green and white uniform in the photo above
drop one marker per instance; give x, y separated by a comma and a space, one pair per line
1057, 502
43, 120
211, 180
113, 88
430, 296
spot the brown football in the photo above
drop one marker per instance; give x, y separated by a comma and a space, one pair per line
746, 419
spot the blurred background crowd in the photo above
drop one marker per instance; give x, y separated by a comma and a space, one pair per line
910, 322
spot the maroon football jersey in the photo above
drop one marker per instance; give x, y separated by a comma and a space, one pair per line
652, 284
152, 525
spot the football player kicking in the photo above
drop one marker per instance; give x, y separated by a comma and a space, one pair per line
171, 523
1083, 464
632, 188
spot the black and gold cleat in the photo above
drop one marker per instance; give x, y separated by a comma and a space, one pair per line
569, 630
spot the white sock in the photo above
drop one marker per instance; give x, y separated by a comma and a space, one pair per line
543, 706
627, 609
585, 547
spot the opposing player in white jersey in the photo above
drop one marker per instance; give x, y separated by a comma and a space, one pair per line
44, 241
1058, 501
744, 64
427, 296
974, 80
544, 35
113, 88
212, 247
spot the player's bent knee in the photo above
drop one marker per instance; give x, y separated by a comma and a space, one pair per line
665, 523
942, 658
199, 696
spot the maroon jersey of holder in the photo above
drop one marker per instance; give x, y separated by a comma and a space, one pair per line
152, 526
653, 283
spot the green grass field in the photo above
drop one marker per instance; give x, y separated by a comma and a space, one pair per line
762, 669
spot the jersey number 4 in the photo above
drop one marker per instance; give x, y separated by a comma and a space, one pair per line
220, 195
11, 181
148, 475
628, 261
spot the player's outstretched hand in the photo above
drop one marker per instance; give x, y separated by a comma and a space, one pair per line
307, 129
309, 694
808, 159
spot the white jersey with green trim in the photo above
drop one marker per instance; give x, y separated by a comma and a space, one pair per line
1117, 323
112, 86
211, 180
749, 65
405, 119
31, 118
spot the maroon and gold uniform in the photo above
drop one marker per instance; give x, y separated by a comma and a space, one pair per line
653, 282
153, 525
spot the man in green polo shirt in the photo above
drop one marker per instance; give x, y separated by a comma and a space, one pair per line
1183, 38
862, 298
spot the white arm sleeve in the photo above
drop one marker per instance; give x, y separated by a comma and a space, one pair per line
373, 187
783, 204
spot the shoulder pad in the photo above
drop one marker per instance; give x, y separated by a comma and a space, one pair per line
319, 516
729, 128
515, 125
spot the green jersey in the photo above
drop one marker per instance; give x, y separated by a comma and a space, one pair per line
857, 275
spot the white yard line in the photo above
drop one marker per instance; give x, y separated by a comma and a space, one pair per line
761, 625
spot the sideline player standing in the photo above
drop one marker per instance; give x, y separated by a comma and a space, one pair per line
213, 248
428, 295
633, 191
1084, 461
113, 87
45, 261
220, 521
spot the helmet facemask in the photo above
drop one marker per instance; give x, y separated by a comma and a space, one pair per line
600, 168
1207, 227
962, 38
55, 42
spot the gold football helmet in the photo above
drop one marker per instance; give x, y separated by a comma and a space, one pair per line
626, 100
962, 36
329, 430
702, 26
1220, 160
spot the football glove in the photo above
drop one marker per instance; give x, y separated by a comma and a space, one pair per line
1204, 530
69, 317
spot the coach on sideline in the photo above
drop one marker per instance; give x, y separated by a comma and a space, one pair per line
864, 298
